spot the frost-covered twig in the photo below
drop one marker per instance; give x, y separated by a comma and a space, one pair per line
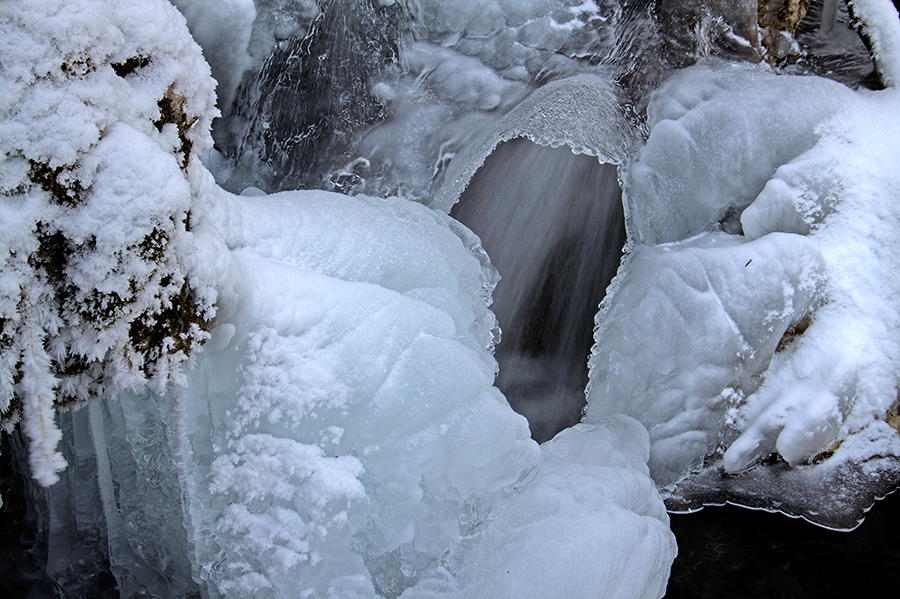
878, 25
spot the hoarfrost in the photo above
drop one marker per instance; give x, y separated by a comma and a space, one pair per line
101, 114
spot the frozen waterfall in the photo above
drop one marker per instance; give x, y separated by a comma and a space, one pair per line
443, 300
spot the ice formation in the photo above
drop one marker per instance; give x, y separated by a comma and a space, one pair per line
357, 374
339, 435
800, 357
590, 498
467, 65
715, 309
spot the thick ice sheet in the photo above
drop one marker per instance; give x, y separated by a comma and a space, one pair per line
353, 364
690, 332
348, 434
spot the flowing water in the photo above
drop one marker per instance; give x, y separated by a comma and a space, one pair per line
553, 224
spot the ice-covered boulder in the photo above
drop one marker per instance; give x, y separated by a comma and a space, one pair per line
690, 332
799, 357
346, 423
718, 133
839, 379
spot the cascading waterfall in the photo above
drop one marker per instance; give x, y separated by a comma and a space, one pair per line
342, 435
553, 224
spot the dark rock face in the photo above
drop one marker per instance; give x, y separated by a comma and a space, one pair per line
713, 28
312, 94
778, 20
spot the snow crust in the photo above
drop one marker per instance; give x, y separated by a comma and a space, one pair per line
799, 357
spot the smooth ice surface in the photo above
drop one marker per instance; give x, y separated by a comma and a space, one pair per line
357, 378
714, 144
589, 525
690, 330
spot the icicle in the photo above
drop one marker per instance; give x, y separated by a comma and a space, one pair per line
38, 391
829, 16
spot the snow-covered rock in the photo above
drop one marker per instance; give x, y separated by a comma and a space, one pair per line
799, 357
103, 113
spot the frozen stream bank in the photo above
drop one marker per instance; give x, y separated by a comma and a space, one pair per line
293, 394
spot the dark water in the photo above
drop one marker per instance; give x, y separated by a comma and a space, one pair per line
552, 223
24, 548
735, 553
